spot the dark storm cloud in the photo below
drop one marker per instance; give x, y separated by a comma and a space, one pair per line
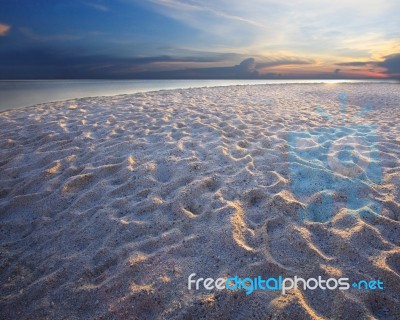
247, 65
354, 63
245, 70
283, 62
45, 56
391, 63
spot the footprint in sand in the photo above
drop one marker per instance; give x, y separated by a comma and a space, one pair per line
254, 200
163, 173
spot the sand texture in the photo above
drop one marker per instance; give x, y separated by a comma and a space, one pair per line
108, 204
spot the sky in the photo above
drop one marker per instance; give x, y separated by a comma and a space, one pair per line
211, 39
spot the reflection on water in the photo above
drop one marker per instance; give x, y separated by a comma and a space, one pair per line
16, 94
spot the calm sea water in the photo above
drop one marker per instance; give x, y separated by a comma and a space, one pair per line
21, 93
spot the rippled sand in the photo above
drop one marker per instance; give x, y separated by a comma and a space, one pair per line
108, 204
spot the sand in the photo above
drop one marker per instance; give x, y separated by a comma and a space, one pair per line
108, 204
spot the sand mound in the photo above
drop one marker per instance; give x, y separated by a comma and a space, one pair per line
109, 204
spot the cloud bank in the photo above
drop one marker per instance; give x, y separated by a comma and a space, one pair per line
390, 62
50, 63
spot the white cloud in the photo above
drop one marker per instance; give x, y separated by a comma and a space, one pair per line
96, 6
306, 27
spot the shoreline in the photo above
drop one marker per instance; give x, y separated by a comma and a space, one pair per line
330, 82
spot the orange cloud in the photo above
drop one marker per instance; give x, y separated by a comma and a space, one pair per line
4, 28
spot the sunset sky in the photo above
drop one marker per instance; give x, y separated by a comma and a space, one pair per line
132, 39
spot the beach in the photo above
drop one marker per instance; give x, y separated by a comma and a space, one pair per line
109, 204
